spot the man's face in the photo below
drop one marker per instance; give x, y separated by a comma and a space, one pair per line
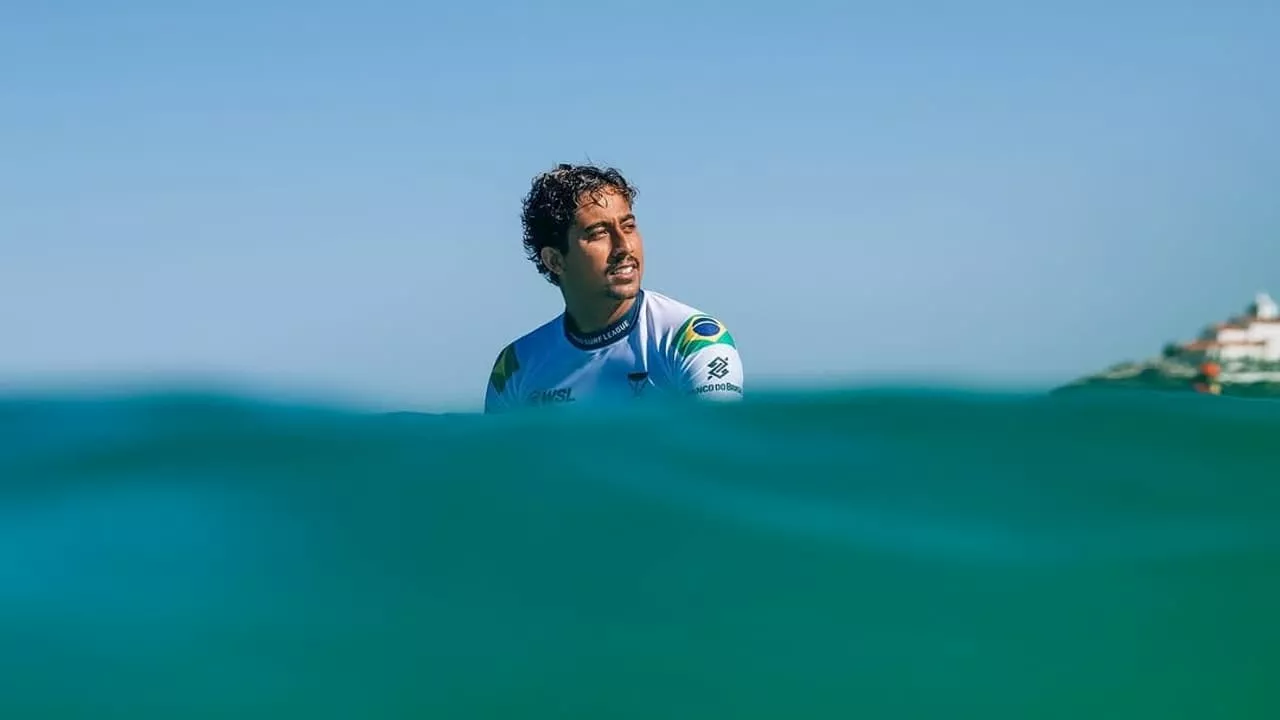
605, 255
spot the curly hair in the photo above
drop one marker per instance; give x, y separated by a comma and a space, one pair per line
552, 203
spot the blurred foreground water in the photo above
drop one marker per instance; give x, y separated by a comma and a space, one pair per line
855, 555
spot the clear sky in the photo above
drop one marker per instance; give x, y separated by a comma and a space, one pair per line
326, 196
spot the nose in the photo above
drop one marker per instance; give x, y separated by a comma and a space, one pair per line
623, 242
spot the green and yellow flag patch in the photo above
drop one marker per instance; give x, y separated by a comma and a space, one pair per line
504, 367
701, 331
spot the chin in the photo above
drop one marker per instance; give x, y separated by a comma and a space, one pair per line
624, 292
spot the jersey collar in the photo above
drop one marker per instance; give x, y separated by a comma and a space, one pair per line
619, 329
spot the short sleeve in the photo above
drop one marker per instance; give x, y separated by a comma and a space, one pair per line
499, 391
706, 360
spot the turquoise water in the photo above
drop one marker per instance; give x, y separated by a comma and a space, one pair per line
859, 555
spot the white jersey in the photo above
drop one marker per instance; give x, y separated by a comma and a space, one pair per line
662, 347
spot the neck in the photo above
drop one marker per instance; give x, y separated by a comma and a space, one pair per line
593, 317
600, 324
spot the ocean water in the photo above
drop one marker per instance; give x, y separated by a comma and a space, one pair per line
875, 554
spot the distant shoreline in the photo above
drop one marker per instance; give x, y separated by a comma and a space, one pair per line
1173, 376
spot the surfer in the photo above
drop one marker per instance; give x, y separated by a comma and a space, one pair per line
615, 340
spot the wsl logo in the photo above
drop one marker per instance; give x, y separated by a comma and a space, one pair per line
551, 397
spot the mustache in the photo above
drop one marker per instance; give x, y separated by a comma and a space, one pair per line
616, 262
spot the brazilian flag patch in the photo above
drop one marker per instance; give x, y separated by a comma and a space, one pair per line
504, 367
701, 331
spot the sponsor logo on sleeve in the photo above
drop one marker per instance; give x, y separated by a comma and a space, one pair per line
719, 387
718, 368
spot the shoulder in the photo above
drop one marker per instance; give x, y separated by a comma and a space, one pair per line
514, 355
700, 354
666, 309
685, 329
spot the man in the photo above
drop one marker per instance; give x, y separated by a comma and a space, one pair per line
614, 342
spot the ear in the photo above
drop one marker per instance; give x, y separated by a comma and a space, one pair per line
553, 259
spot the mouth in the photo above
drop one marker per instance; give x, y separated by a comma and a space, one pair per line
625, 271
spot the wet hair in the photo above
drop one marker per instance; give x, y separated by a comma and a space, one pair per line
552, 204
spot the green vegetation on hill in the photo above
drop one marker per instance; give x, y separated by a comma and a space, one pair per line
1166, 376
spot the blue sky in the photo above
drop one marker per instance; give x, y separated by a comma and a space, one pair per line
326, 197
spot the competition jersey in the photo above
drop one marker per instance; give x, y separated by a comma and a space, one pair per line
662, 347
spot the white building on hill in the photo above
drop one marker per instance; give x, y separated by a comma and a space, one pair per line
1250, 338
